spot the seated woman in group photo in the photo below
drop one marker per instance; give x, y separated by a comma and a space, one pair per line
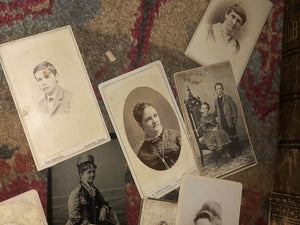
215, 138
161, 147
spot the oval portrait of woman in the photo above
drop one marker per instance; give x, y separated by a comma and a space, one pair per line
152, 128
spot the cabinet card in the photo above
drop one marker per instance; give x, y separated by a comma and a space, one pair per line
107, 163
23, 209
214, 119
208, 201
53, 96
228, 31
150, 129
155, 212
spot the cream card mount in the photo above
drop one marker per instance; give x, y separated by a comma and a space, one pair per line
53, 96
208, 201
228, 31
25, 209
150, 129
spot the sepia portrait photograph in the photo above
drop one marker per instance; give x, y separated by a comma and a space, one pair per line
207, 201
150, 128
215, 120
53, 95
228, 31
92, 189
157, 212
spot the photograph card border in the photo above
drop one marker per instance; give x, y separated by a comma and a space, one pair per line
167, 187
186, 119
58, 157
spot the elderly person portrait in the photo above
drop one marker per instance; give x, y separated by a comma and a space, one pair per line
209, 214
86, 205
222, 35
56, 100
161, 147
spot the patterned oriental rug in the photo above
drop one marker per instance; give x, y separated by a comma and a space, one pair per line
138, 32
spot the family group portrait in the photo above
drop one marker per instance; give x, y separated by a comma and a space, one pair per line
214, 119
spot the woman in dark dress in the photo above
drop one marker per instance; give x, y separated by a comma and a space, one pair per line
161, 147
86, 204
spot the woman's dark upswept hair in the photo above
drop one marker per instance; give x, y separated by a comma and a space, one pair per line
138, 111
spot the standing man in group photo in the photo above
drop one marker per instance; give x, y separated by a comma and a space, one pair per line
56, 100
227, 114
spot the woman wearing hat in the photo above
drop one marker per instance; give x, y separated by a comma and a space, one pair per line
86, 204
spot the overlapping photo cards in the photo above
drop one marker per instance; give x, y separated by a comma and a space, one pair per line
150, 129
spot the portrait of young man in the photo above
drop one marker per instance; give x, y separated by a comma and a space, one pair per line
53, 95
56, 100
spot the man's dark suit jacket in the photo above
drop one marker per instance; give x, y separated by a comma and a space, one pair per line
230, 110
61, 104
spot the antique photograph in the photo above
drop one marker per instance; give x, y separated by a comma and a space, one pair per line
207, 201
92, 190
53, 95
215, 120
57, 100
18, 209
157, 212
150, 129
228, 31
